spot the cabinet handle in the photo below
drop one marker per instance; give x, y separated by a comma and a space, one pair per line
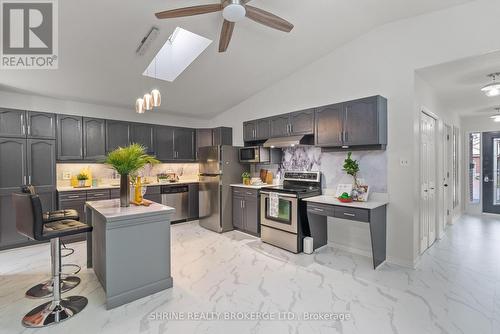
249, 193
24, 178
345, 136
318, 209
23, 131
243, 202
349, 214
291, 128
340, 136
73, 196
29, 179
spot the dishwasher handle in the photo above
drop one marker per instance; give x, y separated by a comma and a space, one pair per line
174, 189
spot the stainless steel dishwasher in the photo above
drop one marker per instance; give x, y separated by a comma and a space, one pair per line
176, 196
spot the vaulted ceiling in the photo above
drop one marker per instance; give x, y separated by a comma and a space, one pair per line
98, 64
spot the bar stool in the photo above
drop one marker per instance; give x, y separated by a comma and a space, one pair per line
29, 222
69, 281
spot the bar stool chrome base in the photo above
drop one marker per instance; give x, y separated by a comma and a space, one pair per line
45, 289
54, 312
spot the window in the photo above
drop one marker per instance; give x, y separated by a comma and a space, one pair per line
475, 167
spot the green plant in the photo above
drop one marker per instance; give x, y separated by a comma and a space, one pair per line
82, 177
351, 167
245, 175
128, 160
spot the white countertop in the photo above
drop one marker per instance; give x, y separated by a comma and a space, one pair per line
109, 186
332, 200
241, 185
112, 211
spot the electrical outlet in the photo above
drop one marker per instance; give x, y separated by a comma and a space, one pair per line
66, 175
404, 162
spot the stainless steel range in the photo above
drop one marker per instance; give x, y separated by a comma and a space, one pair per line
284, 223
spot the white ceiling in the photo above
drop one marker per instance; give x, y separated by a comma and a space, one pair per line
97, 39
458, 84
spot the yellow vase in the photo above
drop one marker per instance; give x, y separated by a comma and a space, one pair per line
138, 190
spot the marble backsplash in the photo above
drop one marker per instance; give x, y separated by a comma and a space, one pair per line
373, 166
104, 173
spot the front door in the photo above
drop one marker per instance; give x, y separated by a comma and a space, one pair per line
491, 172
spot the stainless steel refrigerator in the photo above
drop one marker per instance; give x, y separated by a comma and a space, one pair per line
219, 167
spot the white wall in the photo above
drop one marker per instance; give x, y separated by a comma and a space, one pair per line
59, 106
471, 124
384, 62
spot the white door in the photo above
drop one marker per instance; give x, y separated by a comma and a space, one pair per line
447, 173
428, 181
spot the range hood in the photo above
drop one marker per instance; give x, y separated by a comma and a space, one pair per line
290, 141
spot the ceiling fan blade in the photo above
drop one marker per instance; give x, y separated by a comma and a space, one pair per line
225, 35
189, 11
268, 19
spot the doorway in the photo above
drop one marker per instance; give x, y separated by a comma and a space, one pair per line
491, 172
447, 176
428, 208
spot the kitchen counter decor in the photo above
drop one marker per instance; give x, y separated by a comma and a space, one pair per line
126, 161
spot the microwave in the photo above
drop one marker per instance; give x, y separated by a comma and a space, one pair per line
260, 155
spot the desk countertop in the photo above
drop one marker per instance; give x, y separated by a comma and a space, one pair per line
332, 200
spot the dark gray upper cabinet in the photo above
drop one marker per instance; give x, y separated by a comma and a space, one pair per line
164, 142
302, 122
329, 123
263, 128
117, 135
222, 136
280, 126
94, 139
69, 137
144, 134
13, 172
366, 121
12, 123
184, 144
204, 137
41, 125
249, 131
41, 157
360, 123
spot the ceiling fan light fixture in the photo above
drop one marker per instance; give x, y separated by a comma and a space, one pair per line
492, 89
234, 11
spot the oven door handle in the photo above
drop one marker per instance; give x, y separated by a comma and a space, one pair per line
279, 194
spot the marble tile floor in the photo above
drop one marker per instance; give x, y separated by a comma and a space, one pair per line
455, 288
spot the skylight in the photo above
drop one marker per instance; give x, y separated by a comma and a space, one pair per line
178, 52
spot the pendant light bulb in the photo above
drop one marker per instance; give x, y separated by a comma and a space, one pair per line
148, 101
139, 106
155, 93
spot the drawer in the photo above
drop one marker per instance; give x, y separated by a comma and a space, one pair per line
97, 194
72, 195
239, 191
114, 193
151, 190
321, 209
250, 192
361, 215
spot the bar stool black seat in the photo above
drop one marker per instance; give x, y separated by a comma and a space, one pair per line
29, 222
68, 281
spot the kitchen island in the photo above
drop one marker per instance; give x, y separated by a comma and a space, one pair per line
129, 249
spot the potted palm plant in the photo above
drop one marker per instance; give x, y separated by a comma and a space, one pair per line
127, 161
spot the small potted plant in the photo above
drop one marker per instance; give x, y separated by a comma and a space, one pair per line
127, 161
246, 178
351, 167
82, 179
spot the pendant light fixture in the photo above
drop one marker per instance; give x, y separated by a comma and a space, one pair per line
139, 106
493, 89
149, 100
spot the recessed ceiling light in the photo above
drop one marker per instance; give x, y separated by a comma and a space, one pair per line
496, 117
178, 52
492, 89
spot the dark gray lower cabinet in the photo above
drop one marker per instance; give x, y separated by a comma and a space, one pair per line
153, 193
193, 197
8, 233
246, 210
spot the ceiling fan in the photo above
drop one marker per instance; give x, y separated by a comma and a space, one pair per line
232, 12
